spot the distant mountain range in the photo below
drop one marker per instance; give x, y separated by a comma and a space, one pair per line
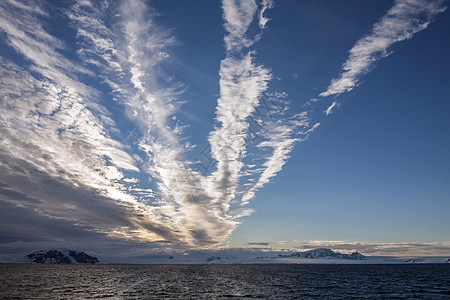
224, 256
324, 253
61, 256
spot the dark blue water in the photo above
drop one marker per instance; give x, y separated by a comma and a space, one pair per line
430, 281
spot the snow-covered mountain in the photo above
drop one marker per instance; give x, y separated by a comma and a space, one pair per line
61, 256
324, 253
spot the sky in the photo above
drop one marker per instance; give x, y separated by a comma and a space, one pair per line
136, 127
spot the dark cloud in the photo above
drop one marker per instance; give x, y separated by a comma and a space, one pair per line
258, 244
36, 207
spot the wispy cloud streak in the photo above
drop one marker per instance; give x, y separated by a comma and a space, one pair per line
134, 52
280, 138
401, 22
56, 124
242, 84
238, 16
184, 201
53, 124
58, 105
66, 132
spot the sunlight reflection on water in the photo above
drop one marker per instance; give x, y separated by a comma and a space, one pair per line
19, 281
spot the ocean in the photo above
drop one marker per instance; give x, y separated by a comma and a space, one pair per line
268, 281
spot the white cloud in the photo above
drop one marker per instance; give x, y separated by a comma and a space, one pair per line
53, 124
401, 22
97, 43
281, 143
383, 249
238, 15
27, 37
280, 137
183, 202
331, 107
241, 85
266, 4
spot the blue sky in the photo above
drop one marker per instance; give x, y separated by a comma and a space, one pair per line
143, 126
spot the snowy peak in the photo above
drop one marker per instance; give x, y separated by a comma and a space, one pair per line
324, 253
61, 256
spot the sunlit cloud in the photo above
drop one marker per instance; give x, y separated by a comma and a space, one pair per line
69, 135
53, 124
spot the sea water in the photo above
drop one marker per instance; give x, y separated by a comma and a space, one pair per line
272, 281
